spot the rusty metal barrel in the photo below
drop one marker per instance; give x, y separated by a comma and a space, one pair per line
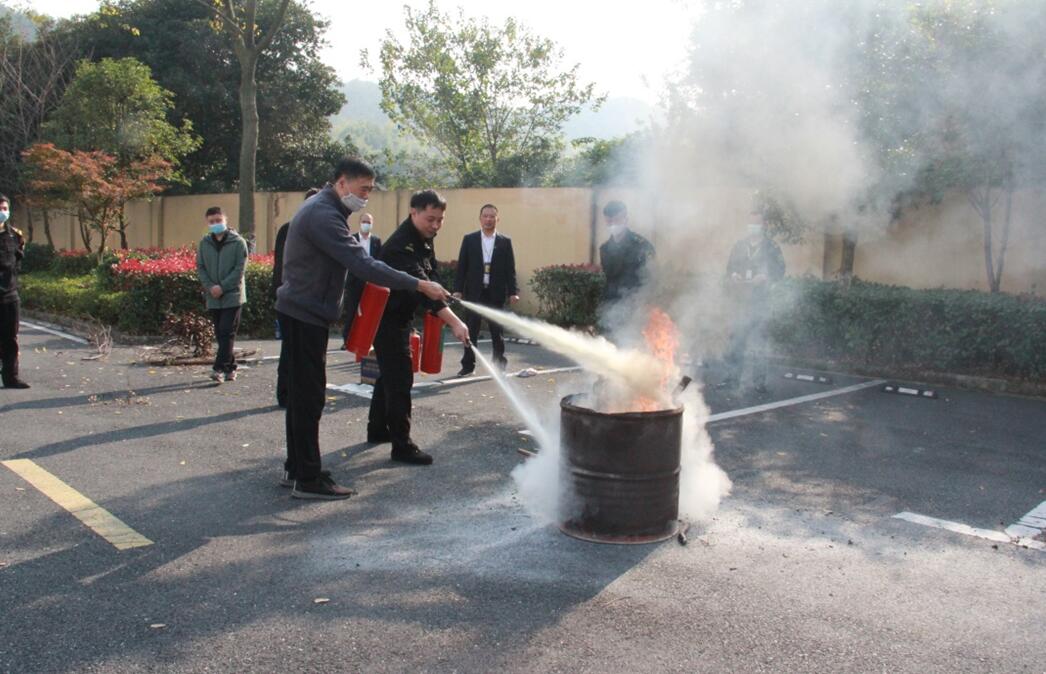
622, 473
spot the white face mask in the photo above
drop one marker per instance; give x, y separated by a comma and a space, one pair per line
353, 202
616, 230
365, 227
755, 230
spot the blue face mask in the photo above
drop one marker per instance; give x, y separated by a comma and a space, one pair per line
218, 228
3, 217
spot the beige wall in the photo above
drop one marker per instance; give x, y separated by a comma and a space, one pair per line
932, 246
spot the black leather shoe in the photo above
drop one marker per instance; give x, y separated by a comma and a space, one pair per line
411, 454
321, 489
15, 383
466, 371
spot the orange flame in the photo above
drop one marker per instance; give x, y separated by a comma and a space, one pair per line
662, 338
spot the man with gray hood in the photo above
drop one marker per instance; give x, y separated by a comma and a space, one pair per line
318, 253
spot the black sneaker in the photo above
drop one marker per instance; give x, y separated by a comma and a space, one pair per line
411, 454
288, 480
323, 488
466, 370
15, 383
378, 436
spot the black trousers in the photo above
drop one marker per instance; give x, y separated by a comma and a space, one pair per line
226, 323
9, 315
390, 407
749, 330
305, 352
281, 369
497, 334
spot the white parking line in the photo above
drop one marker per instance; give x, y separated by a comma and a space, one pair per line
56, 333
788, 402
1031, 525
967, 530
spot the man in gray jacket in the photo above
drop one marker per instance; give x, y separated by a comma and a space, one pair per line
318, 252
220, 262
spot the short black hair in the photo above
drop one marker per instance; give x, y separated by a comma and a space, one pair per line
423, 199
486, 206
214, 210
614, 208
353, 167
4, 199
312, 191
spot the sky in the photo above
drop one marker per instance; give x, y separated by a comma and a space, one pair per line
625, 52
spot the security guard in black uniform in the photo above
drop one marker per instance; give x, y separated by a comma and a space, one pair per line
625, 255
409, 249
12, 249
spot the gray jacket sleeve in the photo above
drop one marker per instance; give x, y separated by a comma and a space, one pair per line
336, 242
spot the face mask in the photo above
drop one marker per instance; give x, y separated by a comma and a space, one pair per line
616, 230
365, 227
755, 230
353, 202
218, 228
3, 217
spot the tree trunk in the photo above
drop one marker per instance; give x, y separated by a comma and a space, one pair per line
846, 265
85, 232
1001, 259
248, 140
122, 228
29, 223
47, 229
983, 206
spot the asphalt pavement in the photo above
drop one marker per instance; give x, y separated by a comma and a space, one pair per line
441, 568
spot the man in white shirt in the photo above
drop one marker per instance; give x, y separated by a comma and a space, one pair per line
486, 275
353, 286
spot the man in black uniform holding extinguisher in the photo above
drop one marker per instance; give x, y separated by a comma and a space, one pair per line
409, 249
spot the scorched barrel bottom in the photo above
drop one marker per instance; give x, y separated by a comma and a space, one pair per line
621, 472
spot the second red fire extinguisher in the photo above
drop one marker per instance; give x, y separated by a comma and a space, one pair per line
432, 345
368, 316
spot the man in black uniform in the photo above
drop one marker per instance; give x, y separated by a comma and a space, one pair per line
409, 249
755, 263
624, 257
486, 275
12, 248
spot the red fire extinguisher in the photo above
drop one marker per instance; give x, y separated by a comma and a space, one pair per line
415, 351
432, 345
368, 316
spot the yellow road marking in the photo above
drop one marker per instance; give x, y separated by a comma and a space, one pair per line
97, 518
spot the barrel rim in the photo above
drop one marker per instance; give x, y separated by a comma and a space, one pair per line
567, 404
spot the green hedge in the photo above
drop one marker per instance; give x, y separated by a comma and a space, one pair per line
38, 257
75, 296
891, 327
568, 294
141, 307
73, 262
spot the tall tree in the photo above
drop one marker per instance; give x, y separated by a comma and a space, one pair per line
249, 40
116, 108
33, 75
493, 99
294, 144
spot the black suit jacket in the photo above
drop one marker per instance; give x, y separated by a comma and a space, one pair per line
469, 278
